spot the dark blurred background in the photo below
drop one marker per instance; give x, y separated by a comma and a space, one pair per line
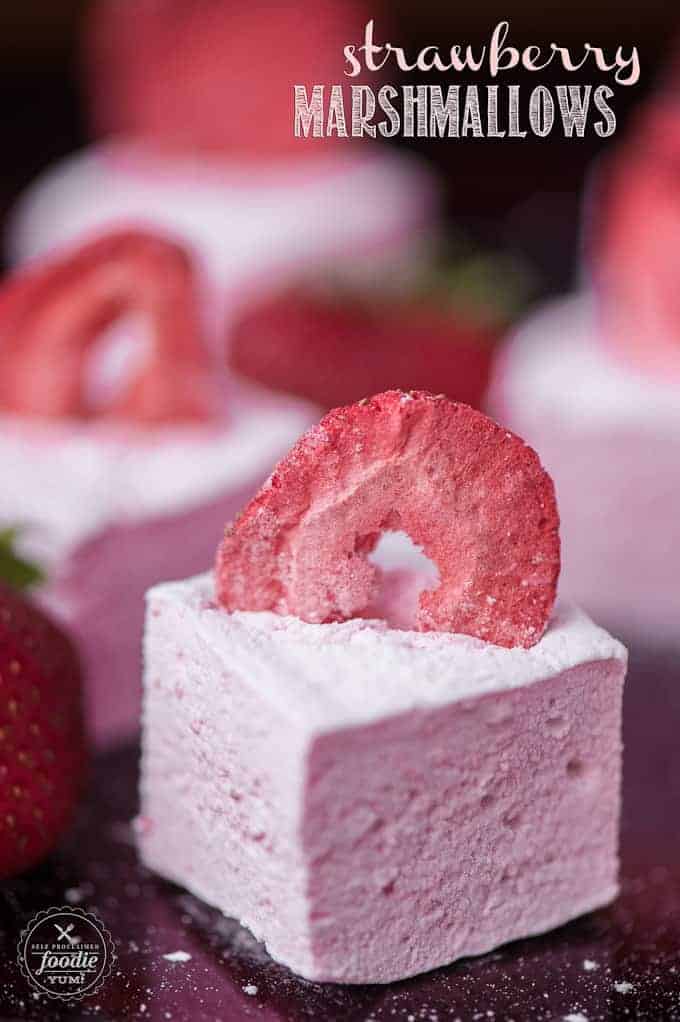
524, 194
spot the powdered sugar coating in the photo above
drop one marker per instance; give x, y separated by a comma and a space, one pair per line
73, 479
324, 676
558, 363
471, 494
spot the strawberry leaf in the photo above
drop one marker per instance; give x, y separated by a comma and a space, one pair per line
487, 288
15, 570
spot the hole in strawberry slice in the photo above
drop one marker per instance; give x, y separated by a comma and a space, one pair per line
405, 572
117, 356
62, 326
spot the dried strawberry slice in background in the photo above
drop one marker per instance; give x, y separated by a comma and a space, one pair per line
632, 232
51, 315
216, 76
472, 495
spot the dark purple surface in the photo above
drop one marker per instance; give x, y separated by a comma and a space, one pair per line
635, 941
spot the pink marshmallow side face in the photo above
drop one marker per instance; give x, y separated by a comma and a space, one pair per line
374, 803
99, 592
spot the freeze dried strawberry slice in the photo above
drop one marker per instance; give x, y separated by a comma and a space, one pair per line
51, 315
215, 75
471, 494
632, 244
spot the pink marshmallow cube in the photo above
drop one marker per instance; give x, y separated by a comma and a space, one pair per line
108, 511
372, 802
247, 225
610, 438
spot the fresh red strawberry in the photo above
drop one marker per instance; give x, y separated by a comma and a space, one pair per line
633, 234
53, 313
473, 496
216, 75
42, 751
334, 351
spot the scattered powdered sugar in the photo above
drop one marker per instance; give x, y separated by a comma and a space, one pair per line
250, 989
74, 895
576, 1016
177, 956
624, 987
